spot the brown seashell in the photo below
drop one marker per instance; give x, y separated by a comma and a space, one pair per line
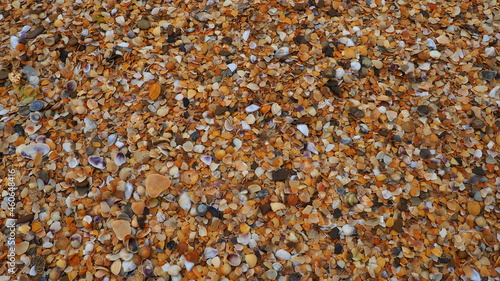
131, 244
350, 199
121, 228
145, 251
474, 208
192, 256
190, 177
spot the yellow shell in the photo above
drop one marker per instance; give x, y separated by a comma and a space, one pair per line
350, 199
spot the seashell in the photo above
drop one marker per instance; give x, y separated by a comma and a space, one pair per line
282, 52
283, 254
303, 129
252, 108
30, 151
116, 267
207, 159
350, 199
36, 105
129, 265
202, 16
111, 139
234, 259
125, 255
76, 240
210, 252
189, 265
185, 201
35, 117
348, 230
147, 268
192, 256
190, 177
121, 228
156, 184
120, 159
71, 85
97, 162
251, 260
174, 270
32, 128
145, 251
131, 244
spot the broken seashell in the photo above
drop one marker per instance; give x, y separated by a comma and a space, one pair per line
189, 177
350, 199
282, 52
156, 184
131, 244
71, 85
147, 268
120, 159
210, 252
30, 151
97, 162
185, 201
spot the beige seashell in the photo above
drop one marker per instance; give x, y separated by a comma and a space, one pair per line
350, 199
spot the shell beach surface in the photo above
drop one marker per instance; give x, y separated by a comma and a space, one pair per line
250, 140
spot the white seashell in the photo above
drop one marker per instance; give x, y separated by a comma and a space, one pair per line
129, 265
189, 265
185, 201
431, 44
276, 109
282, 52
14, 41
283, 254
348, 230
30, 151
490, 51
120, 159
210, 252
435, 54
232, 67
207, 159
111, 139
303, 129
244, 239
312, 147
355, 66
234, 259
174, 270
494, 93
339, 73
252, 108
245, 36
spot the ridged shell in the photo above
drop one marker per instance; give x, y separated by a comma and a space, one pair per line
350, 199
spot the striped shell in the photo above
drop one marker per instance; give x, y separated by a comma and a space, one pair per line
350, 199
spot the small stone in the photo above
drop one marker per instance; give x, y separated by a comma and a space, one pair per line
202, 209
280, 175
356, 112
398, 225
474, 208
479, 171
156, 184
36, 105
408, 127
423, 110
425, 153
328, 73
338, 249
35, 32
171, 245
334, 233
144, 24
220, 110
488, 75
295, 277
265, 208
477, 123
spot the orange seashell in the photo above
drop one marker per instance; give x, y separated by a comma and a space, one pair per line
190, 177
154, 91
192, 256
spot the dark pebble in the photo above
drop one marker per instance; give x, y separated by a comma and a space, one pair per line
398, 138
4, 74
423, 110
280, 175
63, 55
488, 75
403, 205
72, 41
35, 32
328, 73
185, 102
18, 128
425, 153
479, 171
356, 112
171, 245
444, 260
333, 13
477, 123
25, 219
220, 110
36, 105
144, 24
337, 213
202, 209
334, 233
338, 249
295, 277
396, 251
215, 213
195, 135
328, 51
44, 176
262, 194
398, 225
227, 40
334, 87
24, 111
264, 209
300, 40
225, 53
